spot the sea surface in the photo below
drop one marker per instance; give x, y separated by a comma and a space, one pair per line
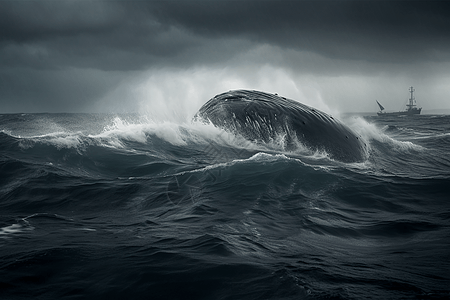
118, 206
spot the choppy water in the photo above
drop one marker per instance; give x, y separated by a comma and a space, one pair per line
119, 206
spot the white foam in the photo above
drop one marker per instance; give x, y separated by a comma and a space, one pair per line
73, 140
113, 135
14, 228
7, 231
124, 129
369, 131
262, 158
7, 132
58, 139
179, 134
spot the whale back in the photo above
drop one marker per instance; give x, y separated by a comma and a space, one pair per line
260, 116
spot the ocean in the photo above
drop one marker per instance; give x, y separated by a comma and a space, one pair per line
119, 206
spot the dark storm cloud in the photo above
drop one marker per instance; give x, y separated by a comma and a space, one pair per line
138, 34
104, 35
372, 30
68, 53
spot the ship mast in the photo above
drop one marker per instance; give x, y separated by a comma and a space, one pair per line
411, 99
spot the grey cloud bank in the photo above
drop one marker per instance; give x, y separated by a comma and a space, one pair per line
125, 55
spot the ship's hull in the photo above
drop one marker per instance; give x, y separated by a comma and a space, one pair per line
410, 112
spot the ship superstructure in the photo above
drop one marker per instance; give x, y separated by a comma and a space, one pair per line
411, 107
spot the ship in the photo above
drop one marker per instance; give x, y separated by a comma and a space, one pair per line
411, 108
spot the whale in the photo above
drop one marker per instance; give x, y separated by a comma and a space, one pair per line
263, 117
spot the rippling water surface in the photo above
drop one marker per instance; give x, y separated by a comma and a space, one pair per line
120, 206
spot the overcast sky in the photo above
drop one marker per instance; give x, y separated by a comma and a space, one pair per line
163, 56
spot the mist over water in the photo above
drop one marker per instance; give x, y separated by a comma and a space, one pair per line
149, 206
177, 94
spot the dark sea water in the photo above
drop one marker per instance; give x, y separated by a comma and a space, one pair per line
102, 206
